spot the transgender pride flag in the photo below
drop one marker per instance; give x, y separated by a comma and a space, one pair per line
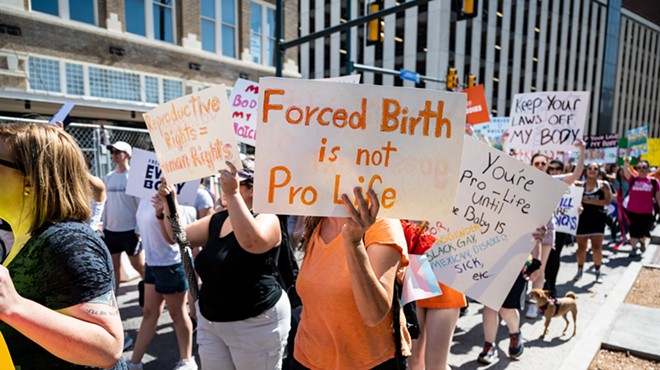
419, 282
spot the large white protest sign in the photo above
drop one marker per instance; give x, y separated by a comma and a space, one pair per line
567, 213
193, 135
318, 140
500, 202
551, 120
145, 179
244, 101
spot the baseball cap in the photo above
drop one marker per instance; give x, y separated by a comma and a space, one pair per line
246, 175
121, 146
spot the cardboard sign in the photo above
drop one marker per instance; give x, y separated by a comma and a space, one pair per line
318, 140
567, 212
492, 131
477, 108
482, 247
145, 179
244, 103
62, 115
653, 155
194, 135
348, 79
638, 141
551, 120
601, 148
419, 281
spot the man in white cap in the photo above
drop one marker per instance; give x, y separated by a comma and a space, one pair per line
119, 221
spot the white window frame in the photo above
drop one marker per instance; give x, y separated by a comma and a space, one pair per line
64, 12
264, 36
217, 26
149, 14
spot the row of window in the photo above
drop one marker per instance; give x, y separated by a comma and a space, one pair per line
155, 19
53, 75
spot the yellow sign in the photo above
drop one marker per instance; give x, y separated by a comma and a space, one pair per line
5, 358
653, 156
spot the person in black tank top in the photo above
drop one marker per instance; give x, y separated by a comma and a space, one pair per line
243, 315
591, 225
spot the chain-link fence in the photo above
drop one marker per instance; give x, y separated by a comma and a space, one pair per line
94, 138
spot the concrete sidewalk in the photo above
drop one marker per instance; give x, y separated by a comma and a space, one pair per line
599, 307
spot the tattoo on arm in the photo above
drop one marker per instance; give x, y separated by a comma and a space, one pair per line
107, 305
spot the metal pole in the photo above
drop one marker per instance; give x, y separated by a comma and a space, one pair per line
349, 63
279, 42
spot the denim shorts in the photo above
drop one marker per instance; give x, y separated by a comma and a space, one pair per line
168, 279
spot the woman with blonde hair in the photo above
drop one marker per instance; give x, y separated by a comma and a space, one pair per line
57, 305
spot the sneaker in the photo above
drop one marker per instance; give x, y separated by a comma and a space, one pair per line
578, 276
515, 345
633, 253
599, 277
642, 247
488, 355
187, 364
128, 342
132, 366
532, 311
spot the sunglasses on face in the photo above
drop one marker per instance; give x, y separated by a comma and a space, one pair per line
114, 151
551, 168
539, 164
639, 168
592, 169
10, 165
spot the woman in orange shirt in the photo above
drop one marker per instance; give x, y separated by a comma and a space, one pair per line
346, 283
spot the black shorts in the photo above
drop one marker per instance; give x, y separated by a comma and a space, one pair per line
122, 241
640, 225
516, 296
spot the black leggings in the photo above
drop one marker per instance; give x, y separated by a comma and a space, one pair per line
554, 259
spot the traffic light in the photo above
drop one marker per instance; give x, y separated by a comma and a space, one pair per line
472, 80
452, 79
376, 27
466, 9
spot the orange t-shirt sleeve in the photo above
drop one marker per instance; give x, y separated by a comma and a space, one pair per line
388, 231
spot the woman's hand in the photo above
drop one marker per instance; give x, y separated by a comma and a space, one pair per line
362, 218
580, 145
540, 232
165, 189
9, 298
158, 203
229, 179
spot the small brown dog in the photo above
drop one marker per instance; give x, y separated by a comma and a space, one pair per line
551, 307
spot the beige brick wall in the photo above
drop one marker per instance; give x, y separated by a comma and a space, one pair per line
188, 18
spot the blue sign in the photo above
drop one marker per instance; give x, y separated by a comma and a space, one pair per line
409, 75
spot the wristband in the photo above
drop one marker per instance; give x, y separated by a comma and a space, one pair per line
533, 266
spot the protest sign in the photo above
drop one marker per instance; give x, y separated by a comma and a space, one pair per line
145, 179
477, 108
653, 155
551, 120
601, 148
62, 115
419, 281
638, 141
492, 131
482, 247
318, 140
244, 103
194, 135
567, 212
348, 79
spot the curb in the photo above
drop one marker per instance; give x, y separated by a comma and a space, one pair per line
590, 341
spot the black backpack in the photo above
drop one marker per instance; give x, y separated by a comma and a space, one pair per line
284, 264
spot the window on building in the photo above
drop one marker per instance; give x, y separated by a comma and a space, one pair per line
44, 74
219, 35
134, 14
163, 20
46, 6
106, 83
75, 84
77, 10
172, 89
262, 33
82, 11
151, 89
